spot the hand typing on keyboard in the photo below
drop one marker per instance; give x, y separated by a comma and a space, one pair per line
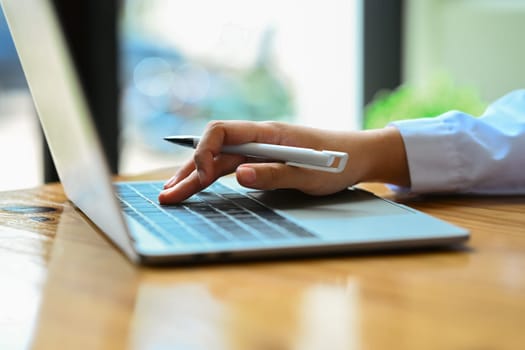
375, 155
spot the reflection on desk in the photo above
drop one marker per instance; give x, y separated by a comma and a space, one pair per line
64, 285
191, 316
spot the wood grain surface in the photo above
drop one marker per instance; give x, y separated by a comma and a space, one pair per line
64, 286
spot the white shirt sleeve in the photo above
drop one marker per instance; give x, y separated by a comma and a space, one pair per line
456, 152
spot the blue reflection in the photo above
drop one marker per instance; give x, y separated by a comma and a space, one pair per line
11, 75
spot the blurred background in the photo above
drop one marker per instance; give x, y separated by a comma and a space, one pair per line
20, 136
184, 65
342, 64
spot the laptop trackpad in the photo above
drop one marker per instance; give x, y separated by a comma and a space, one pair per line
351, 203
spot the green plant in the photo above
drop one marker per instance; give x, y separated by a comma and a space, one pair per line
407, 102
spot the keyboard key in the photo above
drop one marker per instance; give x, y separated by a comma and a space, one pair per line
217, 215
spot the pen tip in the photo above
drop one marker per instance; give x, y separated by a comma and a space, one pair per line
180, 140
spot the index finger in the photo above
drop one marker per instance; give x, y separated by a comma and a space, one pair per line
219, 133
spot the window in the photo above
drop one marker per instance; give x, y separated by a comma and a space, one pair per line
187, 63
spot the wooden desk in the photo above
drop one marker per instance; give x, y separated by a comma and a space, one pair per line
64, 287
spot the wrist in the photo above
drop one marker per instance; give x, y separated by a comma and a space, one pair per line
386, 159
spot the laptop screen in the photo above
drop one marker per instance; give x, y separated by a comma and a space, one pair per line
64, 115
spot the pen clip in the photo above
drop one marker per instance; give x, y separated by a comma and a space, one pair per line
341, 156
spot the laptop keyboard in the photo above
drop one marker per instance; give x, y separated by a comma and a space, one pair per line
218, 214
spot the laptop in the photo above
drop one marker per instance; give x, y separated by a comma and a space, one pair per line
223, 222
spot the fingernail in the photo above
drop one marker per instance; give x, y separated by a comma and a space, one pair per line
169, 182
161, 197
202, 175
247, 175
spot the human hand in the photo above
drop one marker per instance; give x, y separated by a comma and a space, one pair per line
208, 163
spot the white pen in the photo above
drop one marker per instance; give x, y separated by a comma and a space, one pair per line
330, 161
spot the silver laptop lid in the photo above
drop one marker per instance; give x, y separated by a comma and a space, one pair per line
64, 115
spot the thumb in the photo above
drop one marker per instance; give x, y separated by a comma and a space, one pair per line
270, 176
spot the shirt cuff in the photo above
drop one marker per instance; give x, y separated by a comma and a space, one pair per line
433, 159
